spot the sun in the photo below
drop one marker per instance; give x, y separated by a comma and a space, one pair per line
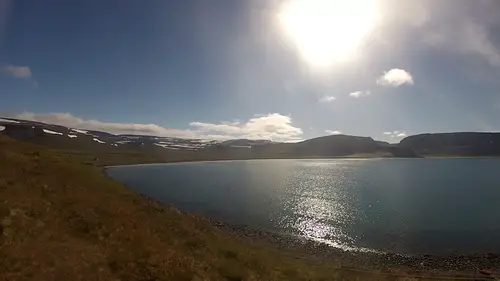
328, 31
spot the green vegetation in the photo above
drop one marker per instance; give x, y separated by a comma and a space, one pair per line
63, 219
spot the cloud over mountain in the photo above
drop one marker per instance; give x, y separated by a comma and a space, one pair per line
396, 134
272, 126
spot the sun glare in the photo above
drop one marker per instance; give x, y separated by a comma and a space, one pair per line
328, 31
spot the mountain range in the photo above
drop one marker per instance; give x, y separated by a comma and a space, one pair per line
168, 148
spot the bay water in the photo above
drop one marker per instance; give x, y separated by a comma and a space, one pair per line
408, 206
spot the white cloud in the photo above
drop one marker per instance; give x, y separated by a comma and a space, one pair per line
396, 134
395, 77
16, 71
327, 99
330, 132
68, 120
209, 127
273, 126
359, 94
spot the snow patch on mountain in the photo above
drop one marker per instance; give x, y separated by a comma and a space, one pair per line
80, 131
208, 141
51, 132
8, 121
71, 136
98, 140
2, 128
185, 146
165, 146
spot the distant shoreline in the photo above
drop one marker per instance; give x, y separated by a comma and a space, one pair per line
319, 158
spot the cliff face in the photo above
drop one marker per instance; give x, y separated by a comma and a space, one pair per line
458, 144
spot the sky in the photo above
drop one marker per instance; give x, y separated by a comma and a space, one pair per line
282, 70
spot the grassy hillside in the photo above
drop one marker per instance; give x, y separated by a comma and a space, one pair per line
61, 218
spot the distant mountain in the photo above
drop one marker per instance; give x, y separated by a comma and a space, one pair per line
73, 138
441, 144
337, 145
344, 145
244, 143
454, 144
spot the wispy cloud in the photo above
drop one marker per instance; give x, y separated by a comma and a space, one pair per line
16, 71
20, 72
327, 99
458, 26
468, 37
330, 132
360, 94
469, 31
272, 126
395, 77
396, 134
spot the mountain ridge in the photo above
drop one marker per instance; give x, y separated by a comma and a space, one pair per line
438, 144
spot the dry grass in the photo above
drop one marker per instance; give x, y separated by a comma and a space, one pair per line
64, 220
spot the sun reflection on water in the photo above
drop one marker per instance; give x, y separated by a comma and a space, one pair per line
318, 214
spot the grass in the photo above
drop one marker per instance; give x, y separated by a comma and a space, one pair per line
61, 218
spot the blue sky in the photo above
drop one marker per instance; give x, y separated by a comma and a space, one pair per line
225, 69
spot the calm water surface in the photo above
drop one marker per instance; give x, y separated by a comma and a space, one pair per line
398, 205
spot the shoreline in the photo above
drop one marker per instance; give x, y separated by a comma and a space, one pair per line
450, 263
319, 158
